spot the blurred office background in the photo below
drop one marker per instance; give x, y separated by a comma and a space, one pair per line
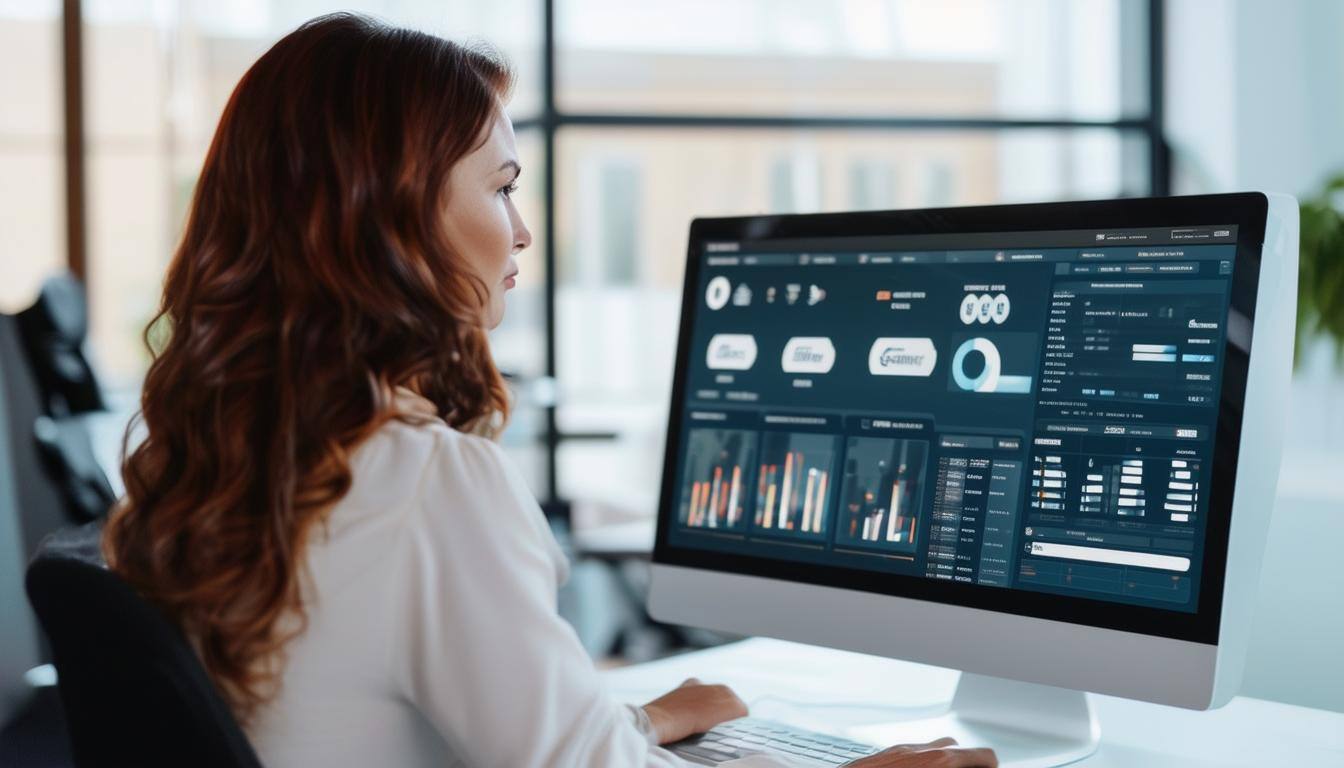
651, 113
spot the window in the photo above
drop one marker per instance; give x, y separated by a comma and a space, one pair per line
32, 136
157, 76
968, 58
779, 106
616, 334
872, 185
632, 119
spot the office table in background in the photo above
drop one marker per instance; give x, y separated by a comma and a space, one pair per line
834, 691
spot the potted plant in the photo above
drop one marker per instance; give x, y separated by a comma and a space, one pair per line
1320, 288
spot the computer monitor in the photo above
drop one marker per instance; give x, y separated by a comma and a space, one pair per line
1037, 443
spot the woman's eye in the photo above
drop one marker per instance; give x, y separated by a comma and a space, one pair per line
508, 189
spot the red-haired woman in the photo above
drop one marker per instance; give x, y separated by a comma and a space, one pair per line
318, 503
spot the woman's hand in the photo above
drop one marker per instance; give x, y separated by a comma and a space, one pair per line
691, 708
942, 753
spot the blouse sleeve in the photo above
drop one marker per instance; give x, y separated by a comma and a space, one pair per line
487, 658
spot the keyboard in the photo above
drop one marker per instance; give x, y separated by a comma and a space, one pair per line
749, 735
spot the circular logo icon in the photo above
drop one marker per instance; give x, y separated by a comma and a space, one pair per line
987, 380
718, 292
1001, 308
968, 305
984, 308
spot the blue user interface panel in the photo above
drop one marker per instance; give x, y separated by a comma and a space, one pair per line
1028, 411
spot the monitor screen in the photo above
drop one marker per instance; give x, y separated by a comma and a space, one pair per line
1025, 417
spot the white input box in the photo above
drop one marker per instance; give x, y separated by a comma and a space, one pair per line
1111, 556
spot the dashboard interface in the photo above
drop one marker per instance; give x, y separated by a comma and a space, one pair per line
1026, 411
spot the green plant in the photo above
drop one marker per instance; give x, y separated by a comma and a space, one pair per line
1320, 286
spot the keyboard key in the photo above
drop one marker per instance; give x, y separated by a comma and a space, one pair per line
698, 751
750, 736
753, 739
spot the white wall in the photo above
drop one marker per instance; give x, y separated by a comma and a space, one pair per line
1255, 100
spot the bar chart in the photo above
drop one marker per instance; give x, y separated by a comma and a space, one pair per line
881, 493
1089, 487
715, 489
1049, 483
794, 484
1182, 497
1126, 484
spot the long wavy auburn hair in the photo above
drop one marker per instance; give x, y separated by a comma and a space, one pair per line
313, 278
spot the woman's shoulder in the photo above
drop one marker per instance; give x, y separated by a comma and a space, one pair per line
463, 497
417, 456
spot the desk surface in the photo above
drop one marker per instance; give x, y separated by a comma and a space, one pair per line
832, 691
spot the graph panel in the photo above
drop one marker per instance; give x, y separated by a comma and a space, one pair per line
715, 490
795, 484
881, 491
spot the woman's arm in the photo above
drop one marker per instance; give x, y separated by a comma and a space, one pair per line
691, 708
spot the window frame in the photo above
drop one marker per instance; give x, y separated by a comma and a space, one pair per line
549, 121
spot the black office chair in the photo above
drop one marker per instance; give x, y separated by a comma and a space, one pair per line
133, 690
47, 388
53, 331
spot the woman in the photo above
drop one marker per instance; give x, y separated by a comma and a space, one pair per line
317, 502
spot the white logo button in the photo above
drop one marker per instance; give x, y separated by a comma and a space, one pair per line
731, 352
894, 356
808, 354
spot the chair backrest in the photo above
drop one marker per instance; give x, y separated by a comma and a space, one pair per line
49, 477
41, 506
134, 692
20, 649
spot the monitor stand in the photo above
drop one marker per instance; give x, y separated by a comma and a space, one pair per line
1028, 725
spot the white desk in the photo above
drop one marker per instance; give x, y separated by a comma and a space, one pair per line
833, 690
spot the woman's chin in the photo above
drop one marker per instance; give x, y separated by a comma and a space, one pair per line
495, 315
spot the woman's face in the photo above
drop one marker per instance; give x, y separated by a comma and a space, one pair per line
481, 220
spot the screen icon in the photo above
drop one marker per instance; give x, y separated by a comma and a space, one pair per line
815, 295
984, 308
742, 296
999, 310
988, 375
717, 292
968, 308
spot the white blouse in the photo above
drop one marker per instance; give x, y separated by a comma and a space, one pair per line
432, 635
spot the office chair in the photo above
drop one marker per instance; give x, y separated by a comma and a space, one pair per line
47, 387
54, 329
133, 690
19, 646
52, 333
49, 476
